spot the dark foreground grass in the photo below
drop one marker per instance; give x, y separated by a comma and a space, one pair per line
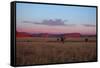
44, 52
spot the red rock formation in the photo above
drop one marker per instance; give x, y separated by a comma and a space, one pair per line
22, 34
72, 35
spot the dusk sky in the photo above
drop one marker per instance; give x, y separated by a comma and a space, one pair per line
41, 18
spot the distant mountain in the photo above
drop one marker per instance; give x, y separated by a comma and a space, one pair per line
24, 34
86, 35
46, 35
57, 35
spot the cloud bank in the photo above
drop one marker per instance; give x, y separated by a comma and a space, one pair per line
57, 22
51, 22
89, 25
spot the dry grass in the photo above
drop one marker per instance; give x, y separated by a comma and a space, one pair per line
32, 51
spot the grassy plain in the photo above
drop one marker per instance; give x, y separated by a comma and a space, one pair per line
36, 50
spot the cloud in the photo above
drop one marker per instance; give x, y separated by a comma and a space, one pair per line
89, 25
29, 22
51, 22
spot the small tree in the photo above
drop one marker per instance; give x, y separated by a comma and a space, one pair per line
62, 39
86, 39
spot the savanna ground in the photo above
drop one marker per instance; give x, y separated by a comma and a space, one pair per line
38, 50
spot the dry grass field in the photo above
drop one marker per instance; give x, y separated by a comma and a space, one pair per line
48, 50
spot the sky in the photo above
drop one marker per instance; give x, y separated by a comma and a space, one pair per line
42, 18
